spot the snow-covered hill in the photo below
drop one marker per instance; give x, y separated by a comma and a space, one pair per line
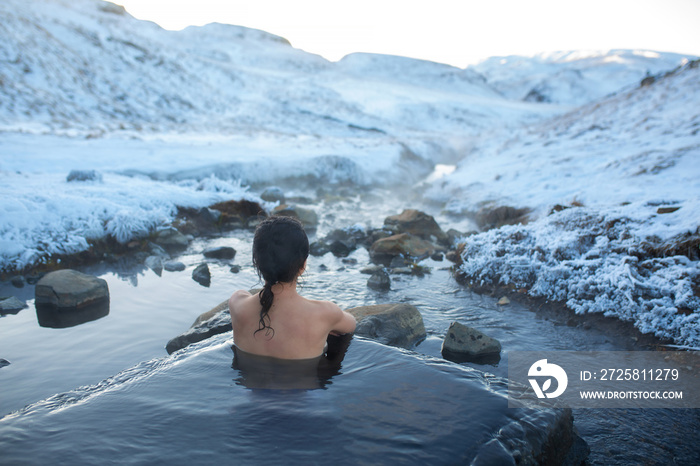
573, 78
614, 193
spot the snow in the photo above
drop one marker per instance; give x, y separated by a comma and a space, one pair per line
189, 118
616, 163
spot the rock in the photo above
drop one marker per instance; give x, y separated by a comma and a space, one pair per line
307, 217
503, 301
222, 252
488, 218
202, 275
339, 249
416, 223
437, 257
34, 278
403, 244
157, 250
398, 261
155, 263
464, 343
370, 270
235, 268
17, 281
666, 210
213, 322
402, 271
4, 362
11, 305
239, 213
455, 235
273, 194
171, 239
379, 280
391, 324
83, 175
318, 248
70, 289
207, 215
647, 81
174, 266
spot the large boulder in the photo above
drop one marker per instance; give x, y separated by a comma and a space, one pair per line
403, 244
70, 289
416, 223
391, 324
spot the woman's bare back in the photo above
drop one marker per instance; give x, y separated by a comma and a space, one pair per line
300, 326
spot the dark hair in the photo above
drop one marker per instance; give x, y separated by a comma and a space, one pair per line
280, 248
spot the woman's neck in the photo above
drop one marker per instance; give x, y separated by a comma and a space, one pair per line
285, 289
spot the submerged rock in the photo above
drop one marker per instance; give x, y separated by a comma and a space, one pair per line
464, 343
221, 252
70, 289
174, 266
379, 280
202, 275
391, 324
11, 305
17, 281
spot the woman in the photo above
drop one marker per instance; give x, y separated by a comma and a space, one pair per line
278, 322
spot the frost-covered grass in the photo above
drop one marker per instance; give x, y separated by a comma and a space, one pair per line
45, 215
596, 261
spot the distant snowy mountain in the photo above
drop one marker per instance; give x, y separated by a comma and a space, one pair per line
573, 78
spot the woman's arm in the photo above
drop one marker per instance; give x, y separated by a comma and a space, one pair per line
342, 322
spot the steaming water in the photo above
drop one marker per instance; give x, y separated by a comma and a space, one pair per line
147, 310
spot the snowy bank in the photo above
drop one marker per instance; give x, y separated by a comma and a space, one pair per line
625, 172
599, 262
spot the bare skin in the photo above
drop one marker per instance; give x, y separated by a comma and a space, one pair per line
301, 326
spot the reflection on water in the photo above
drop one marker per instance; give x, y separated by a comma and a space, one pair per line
53, 317
264, 372
387, 406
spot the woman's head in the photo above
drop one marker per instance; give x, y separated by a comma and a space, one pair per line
280, 248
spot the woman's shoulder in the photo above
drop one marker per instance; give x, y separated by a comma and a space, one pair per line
323, 305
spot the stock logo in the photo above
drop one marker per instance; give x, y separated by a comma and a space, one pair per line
542, 369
